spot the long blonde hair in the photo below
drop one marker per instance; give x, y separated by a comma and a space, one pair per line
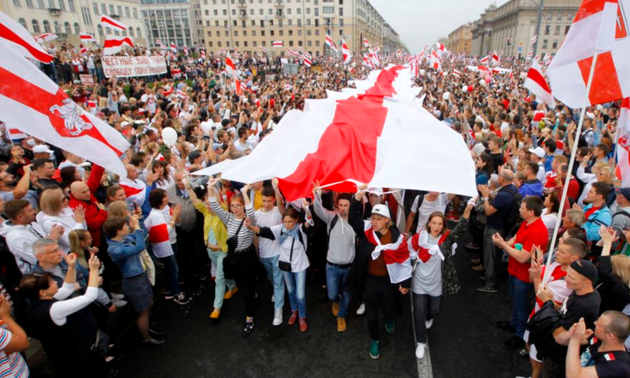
621, 268
76, 237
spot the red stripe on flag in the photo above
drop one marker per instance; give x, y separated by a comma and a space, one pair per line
117, 42
9, 35
605, 86
589, 8
130, 191
347, 149
539, 79
158, 233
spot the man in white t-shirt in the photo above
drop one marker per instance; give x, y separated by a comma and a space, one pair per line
268, 250
432, 201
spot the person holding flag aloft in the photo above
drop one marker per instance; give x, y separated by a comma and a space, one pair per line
381, 270
434, 272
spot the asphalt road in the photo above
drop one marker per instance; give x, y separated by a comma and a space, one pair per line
464, 341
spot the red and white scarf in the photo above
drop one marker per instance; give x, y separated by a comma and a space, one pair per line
420, 243
396, 255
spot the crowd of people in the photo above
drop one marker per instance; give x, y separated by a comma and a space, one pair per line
79, 242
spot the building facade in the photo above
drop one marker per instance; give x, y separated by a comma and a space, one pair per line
511, 27
69, 18
170, 21
253, 25
460, 40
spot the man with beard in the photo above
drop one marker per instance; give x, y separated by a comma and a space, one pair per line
12, 189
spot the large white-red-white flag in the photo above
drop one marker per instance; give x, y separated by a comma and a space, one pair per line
537, 84
112, 23
367, 134
623, 149
21, 40
32, 102
277, 44
88, 38
346, 53
114, 44
600, 26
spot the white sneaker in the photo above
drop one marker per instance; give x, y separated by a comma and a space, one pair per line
277, 317
273, 298
118, 302
429, 323
117, 296
420, 351
361, 309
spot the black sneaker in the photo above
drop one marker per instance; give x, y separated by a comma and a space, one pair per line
152, 343
181, 299
486, 289
504, 324
249, 328
514, 342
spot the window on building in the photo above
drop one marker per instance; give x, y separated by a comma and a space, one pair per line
300, 32
209, 33
210, 43
57, 27
547, 29
554, 45
103, 9
226, 33
309, 43
300, 43
36, 26
227, 44
111, 9
317, 22
100, 29
29, 3
299, 22
23, 23
559, 16
308, 32
316, 32
95, 8
66, 28
40, 4
244, 33
549, 16
545, 44
233, 12
570, 16
317, 45
77, 28
340, 31
216, 23
566, 29
216, 12
271, 33
289, 11
131, 32
71, 5
225, 12
308, 10
219, 43
557, 30
237, 44
341, 22
17, 4
291, 43
262, 33
341, 11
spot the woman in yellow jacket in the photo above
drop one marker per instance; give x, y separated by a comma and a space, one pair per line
214, 236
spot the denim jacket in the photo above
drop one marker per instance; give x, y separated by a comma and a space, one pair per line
126, 254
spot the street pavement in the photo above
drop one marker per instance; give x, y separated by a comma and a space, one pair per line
464, 342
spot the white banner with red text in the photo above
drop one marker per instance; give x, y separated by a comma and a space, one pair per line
130, 66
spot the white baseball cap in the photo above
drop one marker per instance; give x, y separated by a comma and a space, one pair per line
40, 149
381, 210
538, 151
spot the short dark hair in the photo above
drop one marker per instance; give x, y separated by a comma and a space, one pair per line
39, 163
268, 191
14, 208
619, 324
113, 225
534, 204
551, 145
156, 197
30, 285
291, 212
344, 196
604, 147
533, 167
578, 246
602, 188
137, 158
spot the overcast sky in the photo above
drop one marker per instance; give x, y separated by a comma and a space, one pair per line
422, 22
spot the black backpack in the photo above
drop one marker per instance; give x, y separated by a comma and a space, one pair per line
513, 218
541, 327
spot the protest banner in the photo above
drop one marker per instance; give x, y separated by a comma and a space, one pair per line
129, 66
86, 79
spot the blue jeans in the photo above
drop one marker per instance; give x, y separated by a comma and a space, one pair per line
521, 294
171, 271
220, 281
337, 282
275, 277
296, 286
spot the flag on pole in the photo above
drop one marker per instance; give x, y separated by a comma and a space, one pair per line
12, 133
440, 48
21, 40
366, 44
173, 47
534, 38
602, 27
623, 145
88, 38
367, 61
495, 58
158, 42
530, 54
537, 84
114, 44
484, 60
231, 69
34, 103
46, 37
330, 43
435, 61
185, 50
111, 23
293, 53
346, 53
277, 44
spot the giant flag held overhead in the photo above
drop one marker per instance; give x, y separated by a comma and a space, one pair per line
114, 44
367, 134
21, 40
34, 103
537, 84
598, 26
111, 23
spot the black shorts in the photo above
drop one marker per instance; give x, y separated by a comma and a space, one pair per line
138, 292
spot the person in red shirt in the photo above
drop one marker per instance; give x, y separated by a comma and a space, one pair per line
532, 232
82, 194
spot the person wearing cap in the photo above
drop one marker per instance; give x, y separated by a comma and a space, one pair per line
380, 284
43, 152
583, 302
536, 155
621, 218
532, 186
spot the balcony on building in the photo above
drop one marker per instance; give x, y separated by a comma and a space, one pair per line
242, 14
242, 4
279, 3
54, 12
279, 14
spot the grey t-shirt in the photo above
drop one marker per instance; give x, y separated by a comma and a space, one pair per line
427, 278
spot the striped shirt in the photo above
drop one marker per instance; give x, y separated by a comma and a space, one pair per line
12, 365
245, 236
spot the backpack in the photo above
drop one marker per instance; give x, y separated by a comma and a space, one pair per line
541, 327
513, 218
333, 222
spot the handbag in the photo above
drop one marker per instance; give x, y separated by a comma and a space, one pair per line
541, 327
230, 261
286, 266
232, 241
